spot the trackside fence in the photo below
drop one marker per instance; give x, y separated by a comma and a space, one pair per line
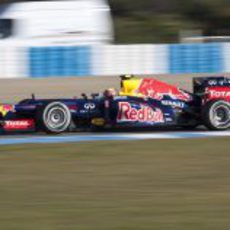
24, 61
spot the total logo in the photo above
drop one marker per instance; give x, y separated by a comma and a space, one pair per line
18, 124
145, 114
219, 94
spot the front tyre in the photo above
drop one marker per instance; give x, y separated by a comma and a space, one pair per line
55, 117
216, 115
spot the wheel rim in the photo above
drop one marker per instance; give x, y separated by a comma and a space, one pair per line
56, 119
221, 116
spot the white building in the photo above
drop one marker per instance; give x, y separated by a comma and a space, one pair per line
57, 22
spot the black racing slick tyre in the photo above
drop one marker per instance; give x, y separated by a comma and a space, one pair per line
55, 117
216, 115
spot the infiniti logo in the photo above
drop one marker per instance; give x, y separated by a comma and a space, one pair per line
89, 106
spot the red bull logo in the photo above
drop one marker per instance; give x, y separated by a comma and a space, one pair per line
5, 109
157, 90
144, 114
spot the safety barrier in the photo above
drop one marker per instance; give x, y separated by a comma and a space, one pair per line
59, 61
13, 62
196, 58
138, 59
226, 54
21, 61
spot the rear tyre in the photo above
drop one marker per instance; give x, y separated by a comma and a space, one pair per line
216, 115
55, 118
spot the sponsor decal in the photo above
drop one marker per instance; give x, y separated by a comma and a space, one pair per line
212, 82
72, 108
157, 90
218, 92
219, 82
178, 104
89, 106
18, 124
5, 109
83, 111
98, 121
144, 114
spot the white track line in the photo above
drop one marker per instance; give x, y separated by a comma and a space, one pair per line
108, 137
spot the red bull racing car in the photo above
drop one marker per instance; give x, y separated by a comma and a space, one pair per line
140, 103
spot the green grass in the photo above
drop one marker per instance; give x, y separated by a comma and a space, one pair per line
155, 184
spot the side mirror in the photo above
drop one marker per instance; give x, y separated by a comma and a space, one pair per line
93, 95
84, 96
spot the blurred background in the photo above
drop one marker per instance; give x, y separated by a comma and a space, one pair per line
169, 21
160, 21
98, 37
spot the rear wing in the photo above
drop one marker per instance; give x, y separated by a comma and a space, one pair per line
210, 88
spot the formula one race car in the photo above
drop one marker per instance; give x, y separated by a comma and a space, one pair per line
140, 103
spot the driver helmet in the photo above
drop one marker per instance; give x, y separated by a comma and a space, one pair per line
111, 92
